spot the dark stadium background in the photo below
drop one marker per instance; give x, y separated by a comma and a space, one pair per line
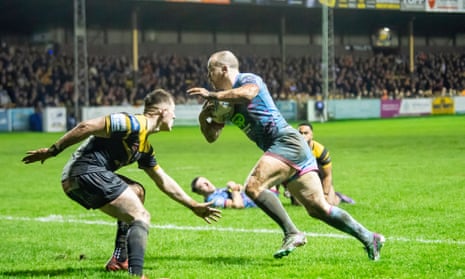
279, 39
22, 18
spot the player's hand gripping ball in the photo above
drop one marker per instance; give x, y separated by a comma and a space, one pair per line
221, 112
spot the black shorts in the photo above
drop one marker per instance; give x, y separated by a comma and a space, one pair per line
95, 189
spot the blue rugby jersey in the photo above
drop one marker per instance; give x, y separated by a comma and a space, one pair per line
221, 195
260, 120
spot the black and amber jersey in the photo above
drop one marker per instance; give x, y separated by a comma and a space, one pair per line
321, 154
127, 143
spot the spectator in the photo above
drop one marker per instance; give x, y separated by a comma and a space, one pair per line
5, 100
35, 119
29, 75
320, 109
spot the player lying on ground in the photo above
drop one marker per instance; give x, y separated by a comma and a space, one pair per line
231, 196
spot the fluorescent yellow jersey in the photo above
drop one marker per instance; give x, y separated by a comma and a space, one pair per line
321, 154
127, 144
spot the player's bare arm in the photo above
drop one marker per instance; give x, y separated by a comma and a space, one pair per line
236, 200
327, 180
172, 189
210, 129
243, 94
82, 131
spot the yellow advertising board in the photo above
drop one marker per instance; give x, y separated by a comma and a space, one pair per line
443, 105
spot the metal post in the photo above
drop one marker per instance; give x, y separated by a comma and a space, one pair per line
81, 73
328, 67
324, 55
411, 46
283, 50
135, 45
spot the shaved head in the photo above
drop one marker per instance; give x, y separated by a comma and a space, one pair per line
224, 58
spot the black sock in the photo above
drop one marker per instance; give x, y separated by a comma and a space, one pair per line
273, 207
121, 253
137, 241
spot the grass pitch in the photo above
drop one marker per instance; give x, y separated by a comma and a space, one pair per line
407, 176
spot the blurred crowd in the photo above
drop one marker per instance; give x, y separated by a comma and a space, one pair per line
31, 75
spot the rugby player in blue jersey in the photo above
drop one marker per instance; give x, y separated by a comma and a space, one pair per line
287, 158
231, 196
89, 178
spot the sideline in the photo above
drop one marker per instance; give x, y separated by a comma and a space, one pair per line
62, 219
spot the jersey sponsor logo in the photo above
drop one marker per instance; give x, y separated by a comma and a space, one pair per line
118, 122
239, 120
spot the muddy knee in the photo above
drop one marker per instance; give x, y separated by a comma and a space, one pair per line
253, 190
139, 190
146, 217
134, 186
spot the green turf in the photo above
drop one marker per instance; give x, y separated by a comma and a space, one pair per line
406, 175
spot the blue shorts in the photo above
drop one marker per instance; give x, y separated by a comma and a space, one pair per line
291, 148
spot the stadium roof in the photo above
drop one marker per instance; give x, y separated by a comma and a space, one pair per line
30, 15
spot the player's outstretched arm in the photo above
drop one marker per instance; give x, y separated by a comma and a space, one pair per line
171, 188
243, 94
82, 131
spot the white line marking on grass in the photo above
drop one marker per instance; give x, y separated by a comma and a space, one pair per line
62, 219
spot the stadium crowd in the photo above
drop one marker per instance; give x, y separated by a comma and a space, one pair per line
29, 74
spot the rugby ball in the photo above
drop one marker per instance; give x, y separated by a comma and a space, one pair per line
222, 111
